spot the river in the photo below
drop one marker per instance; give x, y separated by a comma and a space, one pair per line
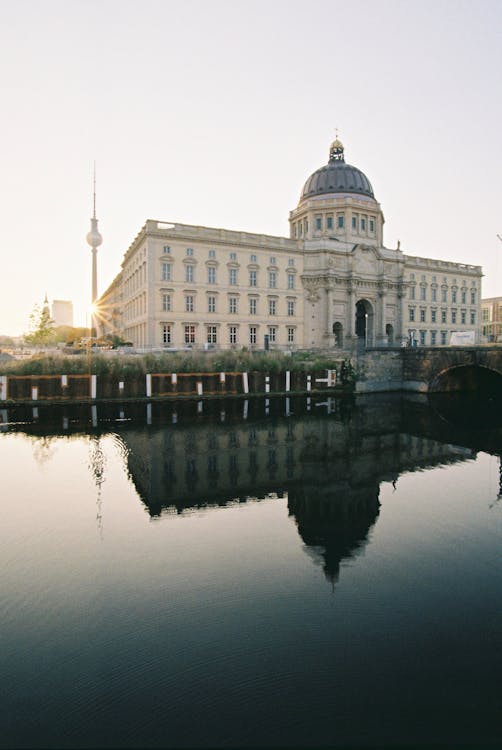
260, 573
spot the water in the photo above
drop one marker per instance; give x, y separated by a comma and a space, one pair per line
280, 573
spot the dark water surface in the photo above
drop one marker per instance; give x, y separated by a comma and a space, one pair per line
281, 573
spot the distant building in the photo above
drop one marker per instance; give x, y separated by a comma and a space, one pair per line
332, 284
491, 319
62, 312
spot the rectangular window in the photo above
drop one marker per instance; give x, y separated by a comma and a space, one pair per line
166, 272
411, 314
473, 296
412, 292
252, 334
232, 305
433, 316
354, 222
233, 334
453, 316
291, 261
273, 261
189, 334
252, 306
464, 295
422, 292
166, 302
291, 281
166, 249
433, 338
233, 256
272, 334
434, 294
422, 338
212, 253
454, 296
291, 335
272, 307
473, 317
252, 278
443, 338
463, 317
363, 224
443, 295
189, 306
189, 274
253, 259
329, 222
443, 316
211, 304
372, 225
340, 221
211, 334
232, 277
318, 223
211, 275
166, 334
189, 250
422, 316
291, 308
272, 279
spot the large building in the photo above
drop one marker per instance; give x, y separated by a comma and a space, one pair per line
62, 312
331, 284
491, 319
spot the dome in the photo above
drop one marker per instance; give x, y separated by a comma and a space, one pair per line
337, 177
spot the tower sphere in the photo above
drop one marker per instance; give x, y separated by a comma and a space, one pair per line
94, 239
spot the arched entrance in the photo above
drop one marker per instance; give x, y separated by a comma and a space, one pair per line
338, 331
389, 332
364, 323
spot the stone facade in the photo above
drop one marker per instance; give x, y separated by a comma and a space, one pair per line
331, 284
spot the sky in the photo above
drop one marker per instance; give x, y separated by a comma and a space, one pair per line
215, 114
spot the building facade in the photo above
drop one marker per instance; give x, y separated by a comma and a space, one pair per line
331, 284
62, 312
491, 319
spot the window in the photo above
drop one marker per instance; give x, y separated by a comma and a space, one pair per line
166, 334
211, 275
412, 277
306, 223
189, 334
291, 261
211, 334
211, 304
273, 261
272, 334
463, 317
443, 295
291, 281
473, 317
190, 251
272, 279
422, 292
252, 278
291, 308
232, 277
252, 334
363, 224
412, 292
354, 222
166, 249
433, 338
340, 221
233, 256
422, 316
412, 314
318, 223
329, 222
166, 302
212, 253
463, 297
433, 316
434, 294
166, 272
232, 305
189, 306
272, 307
454, 296
422, 338
291, 335
453, 316
189, 274
233, 334
473, 296
253, 259
252, 306
372, 225
443, 316
443, 338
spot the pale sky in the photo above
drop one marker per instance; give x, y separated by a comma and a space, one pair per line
216, 112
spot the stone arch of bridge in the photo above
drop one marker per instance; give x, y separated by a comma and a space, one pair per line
467, 377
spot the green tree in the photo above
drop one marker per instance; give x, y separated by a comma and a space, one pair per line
41, 330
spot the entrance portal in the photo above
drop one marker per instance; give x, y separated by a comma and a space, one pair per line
364, 323
338, 331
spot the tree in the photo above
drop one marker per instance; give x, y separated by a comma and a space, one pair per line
41, 330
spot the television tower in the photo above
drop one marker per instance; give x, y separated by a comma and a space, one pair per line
94, 239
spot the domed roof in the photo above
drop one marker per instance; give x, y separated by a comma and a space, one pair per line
337, 177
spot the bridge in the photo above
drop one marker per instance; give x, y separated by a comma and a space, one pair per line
431, 369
